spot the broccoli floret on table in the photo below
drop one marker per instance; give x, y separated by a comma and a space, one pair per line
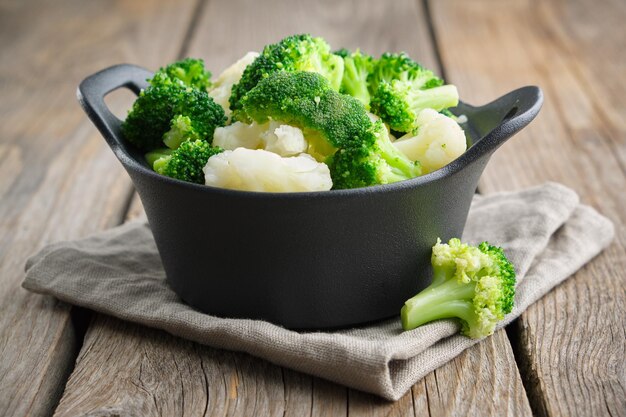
473, 284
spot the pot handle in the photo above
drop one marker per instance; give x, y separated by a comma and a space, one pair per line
91, 93
496, 122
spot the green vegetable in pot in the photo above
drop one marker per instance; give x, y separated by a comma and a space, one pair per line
293, 53
189, 72
170, 111
401, 88
357, 69
185, 163
344, 109
358, 151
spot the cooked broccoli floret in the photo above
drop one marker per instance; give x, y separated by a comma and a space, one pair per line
398, 103
152, 114
307, 100
400, 66
336, 126
376, 161
152, 156
357, 68
473, 284
294, 53
342, 52
181, 129
190, 72
401, 88
186, 162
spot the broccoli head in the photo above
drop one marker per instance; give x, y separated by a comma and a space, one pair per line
375, 161
401, 88
473, 284
357, 68
293, 53
342, 52
154, 111
182, 128
400, 66
186, 162
399, 102
189, 72
307, 100
336, 126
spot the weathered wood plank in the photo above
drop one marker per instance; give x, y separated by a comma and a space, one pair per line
149, 372
59, 180
236, 384
481, 381
172, 376
373, 26
572, 343
593, 39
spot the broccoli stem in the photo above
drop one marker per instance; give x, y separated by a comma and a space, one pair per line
440, 300
437, 98
180, 131
161, 164
355, 82
401, 167
152, 156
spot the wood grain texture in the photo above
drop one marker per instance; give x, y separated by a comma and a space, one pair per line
148, 372
373, 26
482, 381
58, 179
110, 372
572, 343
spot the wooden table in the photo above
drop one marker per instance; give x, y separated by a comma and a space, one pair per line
58, 180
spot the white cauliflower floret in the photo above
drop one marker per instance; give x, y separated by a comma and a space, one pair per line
282, 139
260, 170
222, 86
439, 141
239, 135
285, 140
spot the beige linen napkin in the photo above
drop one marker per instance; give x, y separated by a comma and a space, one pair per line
544, 230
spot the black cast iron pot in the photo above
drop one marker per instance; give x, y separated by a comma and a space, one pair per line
306, 260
